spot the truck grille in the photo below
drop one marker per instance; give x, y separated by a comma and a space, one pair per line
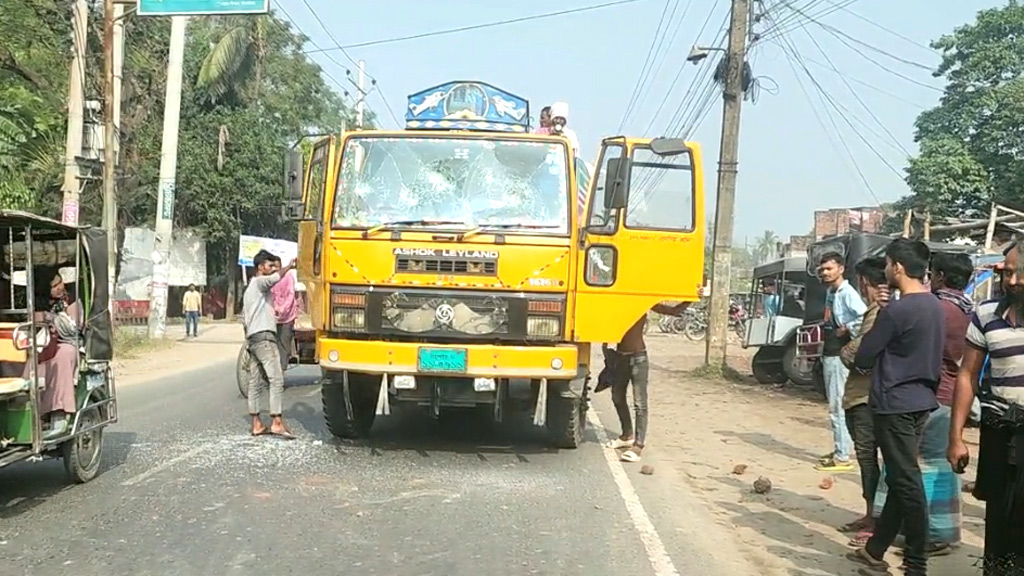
442, 265
439, 313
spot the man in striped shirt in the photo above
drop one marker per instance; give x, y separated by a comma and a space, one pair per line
996, 330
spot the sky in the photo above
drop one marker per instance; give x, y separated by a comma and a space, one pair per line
839, 83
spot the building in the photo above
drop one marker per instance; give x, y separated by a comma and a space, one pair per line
838, 221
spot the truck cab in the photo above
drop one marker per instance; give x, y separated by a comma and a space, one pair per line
465, 262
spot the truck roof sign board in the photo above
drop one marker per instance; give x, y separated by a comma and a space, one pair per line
201, 7
467, 106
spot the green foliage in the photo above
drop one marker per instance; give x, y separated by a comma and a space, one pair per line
970, 144
249, 92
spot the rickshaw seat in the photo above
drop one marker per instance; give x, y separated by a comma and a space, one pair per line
13, 386
12, 361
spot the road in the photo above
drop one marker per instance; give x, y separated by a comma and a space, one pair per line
186, 491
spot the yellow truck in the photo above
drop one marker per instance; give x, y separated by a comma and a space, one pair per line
466, 262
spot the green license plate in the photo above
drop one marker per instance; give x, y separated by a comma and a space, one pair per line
441, 360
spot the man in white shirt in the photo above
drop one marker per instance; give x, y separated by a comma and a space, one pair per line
559, 119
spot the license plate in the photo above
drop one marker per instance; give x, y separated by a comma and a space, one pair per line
441, 360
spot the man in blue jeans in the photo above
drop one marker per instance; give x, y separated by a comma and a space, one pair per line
844, 310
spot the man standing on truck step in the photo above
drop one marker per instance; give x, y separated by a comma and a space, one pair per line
844, 310
261, 338
628, 364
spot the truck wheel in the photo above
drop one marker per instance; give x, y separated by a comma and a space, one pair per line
82, 455
363, 389
565, 420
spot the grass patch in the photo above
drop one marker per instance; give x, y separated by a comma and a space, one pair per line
717, 372
133, 341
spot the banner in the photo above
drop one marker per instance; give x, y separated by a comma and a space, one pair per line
248, 246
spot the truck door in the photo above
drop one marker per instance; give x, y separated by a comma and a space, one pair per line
311, 227
643, 238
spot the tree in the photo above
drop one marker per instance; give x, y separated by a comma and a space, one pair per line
767, 247
971, 143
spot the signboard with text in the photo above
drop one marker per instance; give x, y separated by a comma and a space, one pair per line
248, 246
201, 7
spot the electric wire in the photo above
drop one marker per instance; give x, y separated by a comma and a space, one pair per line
472, 27
641, 78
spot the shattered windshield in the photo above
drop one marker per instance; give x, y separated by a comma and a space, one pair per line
469, 182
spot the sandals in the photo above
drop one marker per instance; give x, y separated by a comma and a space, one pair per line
284, 434
871, 566
858, 525
860, 540
617, 443
931, 550
631, 455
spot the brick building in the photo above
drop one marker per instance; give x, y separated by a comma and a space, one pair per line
836, 221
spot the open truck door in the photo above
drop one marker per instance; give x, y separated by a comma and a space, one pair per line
642, 241
307, 190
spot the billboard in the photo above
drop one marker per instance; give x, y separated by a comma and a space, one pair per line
248, 246
187, 265
201, 7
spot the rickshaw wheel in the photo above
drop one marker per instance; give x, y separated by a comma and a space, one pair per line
82, 455
242, 368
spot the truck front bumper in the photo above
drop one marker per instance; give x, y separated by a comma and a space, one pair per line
554, 362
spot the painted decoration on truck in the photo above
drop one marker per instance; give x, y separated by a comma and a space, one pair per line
467, 106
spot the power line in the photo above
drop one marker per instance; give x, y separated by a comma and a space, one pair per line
519, 20
890, 31
679, 71
648, 63
362, 95
789, 52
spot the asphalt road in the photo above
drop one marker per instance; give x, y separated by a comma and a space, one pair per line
186, 491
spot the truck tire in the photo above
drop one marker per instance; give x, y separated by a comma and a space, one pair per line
565, 421
363, 389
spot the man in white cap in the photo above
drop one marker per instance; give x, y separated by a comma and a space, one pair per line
559, 119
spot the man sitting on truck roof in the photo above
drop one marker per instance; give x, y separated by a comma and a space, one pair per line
545, 121
559, 119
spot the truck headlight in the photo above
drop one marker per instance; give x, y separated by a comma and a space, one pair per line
348, 310
543, 327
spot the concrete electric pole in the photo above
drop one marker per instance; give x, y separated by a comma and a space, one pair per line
113, 63
168, 171
728, 161
76, 111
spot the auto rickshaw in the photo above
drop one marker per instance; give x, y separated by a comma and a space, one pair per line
303, 343
33, 250
776, 296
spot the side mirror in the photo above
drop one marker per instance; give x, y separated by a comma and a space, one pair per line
293, 210
618, 179
669, 146
293, 174
23, 338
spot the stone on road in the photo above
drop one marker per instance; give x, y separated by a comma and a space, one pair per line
185, 491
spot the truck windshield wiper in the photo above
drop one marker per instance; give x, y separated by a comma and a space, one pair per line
419, 222
521, 225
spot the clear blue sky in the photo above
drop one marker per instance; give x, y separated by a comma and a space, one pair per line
790, 162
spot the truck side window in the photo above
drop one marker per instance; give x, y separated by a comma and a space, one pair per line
660, 192
600, 217
315, 192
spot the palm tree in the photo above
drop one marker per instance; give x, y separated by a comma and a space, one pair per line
235, 61
767, 246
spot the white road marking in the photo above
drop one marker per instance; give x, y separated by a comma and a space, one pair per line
656, 554
314, 392
165, 465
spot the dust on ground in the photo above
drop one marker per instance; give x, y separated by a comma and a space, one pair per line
701, 429
138, 359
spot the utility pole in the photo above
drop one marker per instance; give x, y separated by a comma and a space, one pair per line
360, 103
113, 63
728, 162
168, 170
76, 104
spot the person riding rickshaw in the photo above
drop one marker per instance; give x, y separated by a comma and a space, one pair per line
57, 391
